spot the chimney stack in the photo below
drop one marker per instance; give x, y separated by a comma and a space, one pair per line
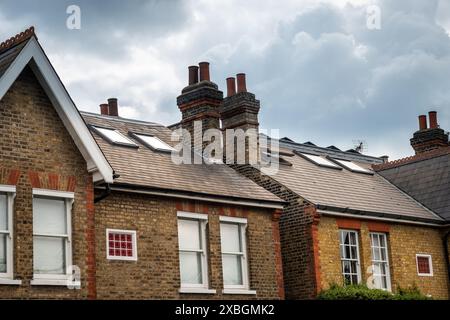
193, 75
113, 107
422, 122
240, 111
104, 109
432, 115
431, 138
231, 86
204, 71
199, 101
241, 85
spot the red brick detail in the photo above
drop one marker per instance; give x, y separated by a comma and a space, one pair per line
204, 208
418, 157
277, 247
348, 224
34, 179
179, 206
53, 181
311, 210
71, 184
90, 239
13, 177
378, 227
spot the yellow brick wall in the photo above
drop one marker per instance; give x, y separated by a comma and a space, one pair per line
404, 242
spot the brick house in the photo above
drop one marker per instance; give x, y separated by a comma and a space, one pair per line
425, 176
343, 222
100, 193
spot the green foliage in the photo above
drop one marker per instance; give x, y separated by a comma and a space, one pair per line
362, 292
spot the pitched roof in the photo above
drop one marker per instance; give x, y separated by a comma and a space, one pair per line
10, 49
332, 151
342, 190
425, 177
143, 167
24, 50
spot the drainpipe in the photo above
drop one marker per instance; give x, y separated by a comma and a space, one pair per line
104, 194
446, 238
107, 191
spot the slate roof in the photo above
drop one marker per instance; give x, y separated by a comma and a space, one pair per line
145, 168
10, 49
425, 177
347, 191
332, 151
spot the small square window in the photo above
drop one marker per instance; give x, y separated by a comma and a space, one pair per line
424, 265
121, 244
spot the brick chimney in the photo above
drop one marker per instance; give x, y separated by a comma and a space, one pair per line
104, 109
429, 138
200, 100
113, 107
239, 110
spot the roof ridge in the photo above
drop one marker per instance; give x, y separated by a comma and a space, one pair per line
18, 38
411, 159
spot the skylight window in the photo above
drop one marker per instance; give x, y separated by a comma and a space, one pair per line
114, 136
153, 142
319, 161
353, 166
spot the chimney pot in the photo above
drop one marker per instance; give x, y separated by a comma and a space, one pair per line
231, 86
104, 109
422, 122
193, 75
113, 107
432, 115
241, 85
204, 71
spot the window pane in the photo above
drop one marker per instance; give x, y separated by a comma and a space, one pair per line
375, 241
376, 254
354, 252
352, 238
3, 212
232, 269
191, 268
49, 216
2, 252
345, 237
230, 237
189, 234
49, 255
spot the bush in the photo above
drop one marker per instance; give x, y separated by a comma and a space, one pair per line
362, 292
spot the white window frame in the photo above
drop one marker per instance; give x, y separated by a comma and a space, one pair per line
204, 286
386, 262
133, 240
57, 279
245, 287
358, 260
430, 261
8, 276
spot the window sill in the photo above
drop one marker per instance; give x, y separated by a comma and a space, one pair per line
54, 282
197, 290
10, 282
239, 291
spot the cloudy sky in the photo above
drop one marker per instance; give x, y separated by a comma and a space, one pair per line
321, 74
